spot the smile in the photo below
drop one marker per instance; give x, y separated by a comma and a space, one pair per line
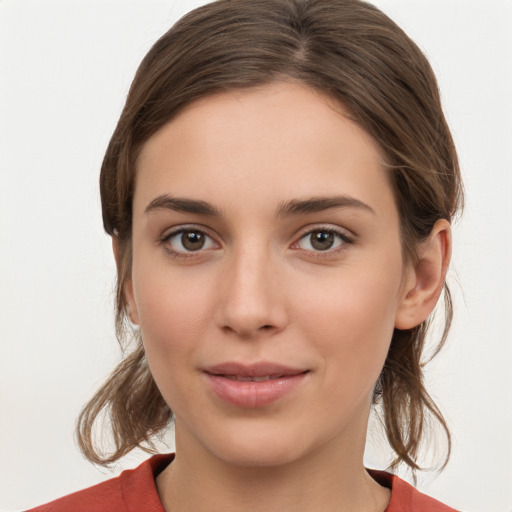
251, 379
253, 386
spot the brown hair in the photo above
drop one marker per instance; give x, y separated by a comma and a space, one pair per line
347, 49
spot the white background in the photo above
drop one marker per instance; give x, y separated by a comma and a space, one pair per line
65, 68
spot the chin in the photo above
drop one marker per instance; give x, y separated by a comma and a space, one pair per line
259, 455
260, 445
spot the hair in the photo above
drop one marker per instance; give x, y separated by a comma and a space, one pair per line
347, 49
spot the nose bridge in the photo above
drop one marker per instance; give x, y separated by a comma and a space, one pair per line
251, 299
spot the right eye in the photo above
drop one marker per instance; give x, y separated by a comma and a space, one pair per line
186, 241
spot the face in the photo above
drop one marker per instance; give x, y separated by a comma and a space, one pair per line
267, 273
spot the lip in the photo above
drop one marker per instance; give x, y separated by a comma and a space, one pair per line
255, 385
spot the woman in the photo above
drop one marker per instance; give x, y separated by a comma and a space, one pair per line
279, 191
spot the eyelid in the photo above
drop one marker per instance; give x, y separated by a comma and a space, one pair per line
182, 228
347, 237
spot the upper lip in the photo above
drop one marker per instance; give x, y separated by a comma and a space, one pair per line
261, 369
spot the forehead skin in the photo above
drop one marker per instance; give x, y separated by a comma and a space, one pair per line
280, 134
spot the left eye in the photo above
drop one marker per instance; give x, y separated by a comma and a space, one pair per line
321, 240
189, 240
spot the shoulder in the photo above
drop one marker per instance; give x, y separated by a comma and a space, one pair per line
405, 498
133, 490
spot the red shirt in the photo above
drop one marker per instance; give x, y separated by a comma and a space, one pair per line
134, 490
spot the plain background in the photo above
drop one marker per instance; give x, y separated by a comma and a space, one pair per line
65, 68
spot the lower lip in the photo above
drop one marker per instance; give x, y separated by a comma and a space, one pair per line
251, 394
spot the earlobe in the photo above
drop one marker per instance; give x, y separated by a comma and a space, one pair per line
426, 280
131, 308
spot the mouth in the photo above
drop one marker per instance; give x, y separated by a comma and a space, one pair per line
242, 378
262, 370
255, 385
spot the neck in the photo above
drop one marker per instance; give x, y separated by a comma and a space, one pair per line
332, 478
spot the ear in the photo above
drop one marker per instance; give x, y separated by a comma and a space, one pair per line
131, 307
424, 282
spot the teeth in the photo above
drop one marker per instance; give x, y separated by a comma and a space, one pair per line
250, 379
253, 379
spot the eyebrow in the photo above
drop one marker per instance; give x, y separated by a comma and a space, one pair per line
285, 209
180, 204
318, 204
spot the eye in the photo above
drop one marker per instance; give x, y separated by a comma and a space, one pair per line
187, 240
322, 240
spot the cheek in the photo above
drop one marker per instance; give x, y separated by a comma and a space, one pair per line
172, 317
172, 311
351, 320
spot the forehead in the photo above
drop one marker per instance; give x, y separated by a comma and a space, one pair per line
272, 141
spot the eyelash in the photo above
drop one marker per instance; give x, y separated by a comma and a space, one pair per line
184, 229
342, 237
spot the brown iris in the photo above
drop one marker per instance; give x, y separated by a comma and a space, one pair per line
322, 240
192, 240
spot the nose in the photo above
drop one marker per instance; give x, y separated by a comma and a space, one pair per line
251, 299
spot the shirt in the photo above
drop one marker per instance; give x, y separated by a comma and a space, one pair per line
134, 490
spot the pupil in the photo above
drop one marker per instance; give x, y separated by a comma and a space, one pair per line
322, 240
192, 240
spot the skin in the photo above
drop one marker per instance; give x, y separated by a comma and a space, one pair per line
260, 290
